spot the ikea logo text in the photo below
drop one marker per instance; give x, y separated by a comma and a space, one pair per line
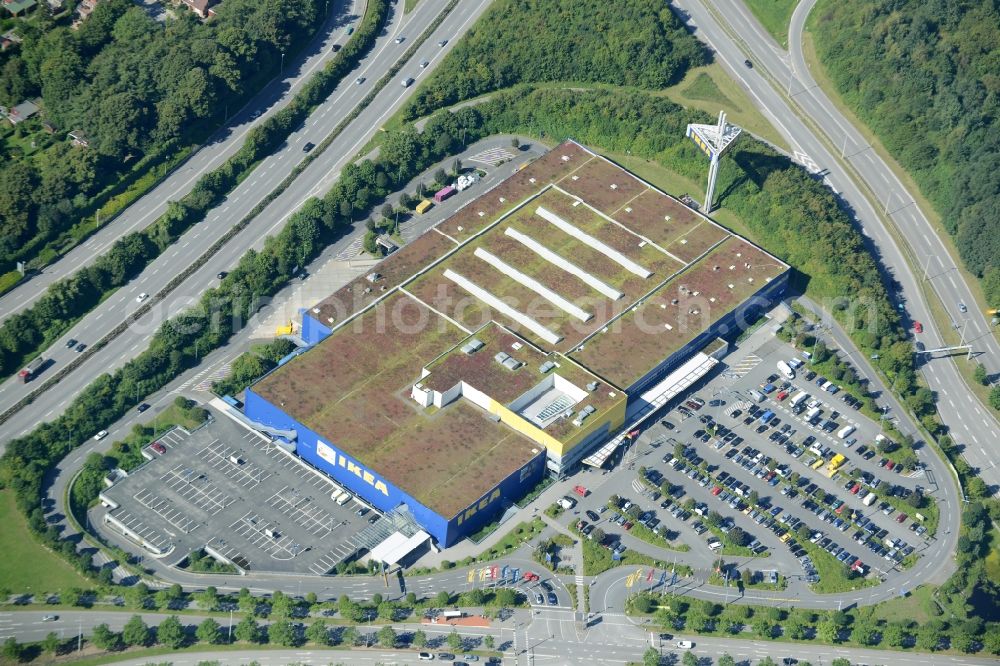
475, 508
328, 454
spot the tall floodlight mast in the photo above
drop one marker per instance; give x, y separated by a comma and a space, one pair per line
713, 140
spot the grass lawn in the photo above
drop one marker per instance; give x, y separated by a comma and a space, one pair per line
409, 5
26, 566
993, 558
172, 416
710, 89
597, 559
914, 606
774, 15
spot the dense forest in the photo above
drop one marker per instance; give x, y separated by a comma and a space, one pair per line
136, 87
637, 43
925, 76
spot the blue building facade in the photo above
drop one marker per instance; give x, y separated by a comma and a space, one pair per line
370, 486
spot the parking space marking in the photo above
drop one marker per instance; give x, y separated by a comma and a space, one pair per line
280, 546
229, 552
166, 510
245, 474
136, 525
207, 497
303, 511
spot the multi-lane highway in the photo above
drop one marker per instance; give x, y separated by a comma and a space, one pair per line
313, 181
767, 83
221, 145
550, 635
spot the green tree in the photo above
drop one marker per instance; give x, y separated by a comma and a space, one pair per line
105, 639
209, 599
893, 634
208, 631
318, 633
763, 628
689, 659
12, 649
419, 639
387, 611
443, 598
350, 636
411, 598
961, 641
454, 640
387, 637
651, 657
51, 643
311, 599
135, 632
137, 596
995, 398
489, 642
170, 633
281, 633
71, 596
828, 631
841, 661
726, 660
980, 374
281, 605
247, 631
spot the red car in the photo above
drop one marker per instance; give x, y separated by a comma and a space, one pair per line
918, 327
716, 490
856, 488
159, 448
901, 518
782, 395
627, 525
581, 491
889, 465
530, 576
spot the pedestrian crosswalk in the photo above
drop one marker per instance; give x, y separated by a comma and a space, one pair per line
493, 156
749, 362
203, 380
352, 250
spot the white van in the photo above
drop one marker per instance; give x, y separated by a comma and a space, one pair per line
344, 499
845, 431
757, 395
407, 82
335, 494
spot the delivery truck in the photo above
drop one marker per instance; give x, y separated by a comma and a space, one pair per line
786, 370
799, 398
30, 370
869, 499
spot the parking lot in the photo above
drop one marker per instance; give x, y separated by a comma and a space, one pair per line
794, 480
229, 489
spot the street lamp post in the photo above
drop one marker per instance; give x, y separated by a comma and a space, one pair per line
282, 70
230, 625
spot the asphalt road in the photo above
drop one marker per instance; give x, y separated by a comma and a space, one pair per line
221, 145
549, 637
313, 181
971, 425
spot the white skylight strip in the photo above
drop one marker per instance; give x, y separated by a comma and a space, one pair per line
553, 258
500, 306
587, 239
533, 284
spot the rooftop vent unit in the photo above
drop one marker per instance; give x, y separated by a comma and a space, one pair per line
315, 310
613, 186
472, 346
512, 363
545, 367
494, 417
590, 409
592, 386
501, 357
674, 301
580, 418
373, 277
